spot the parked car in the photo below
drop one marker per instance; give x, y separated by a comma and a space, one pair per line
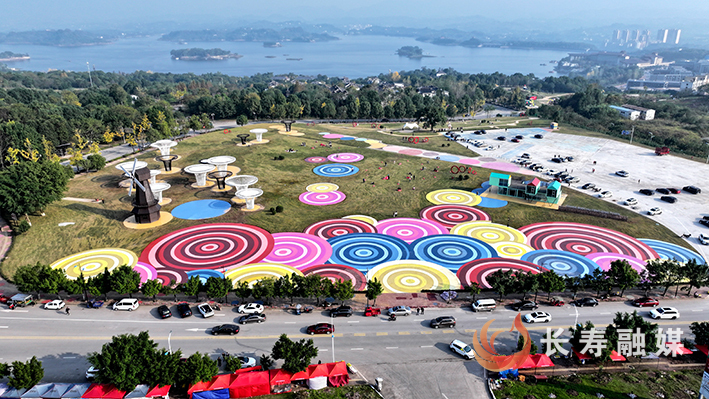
704, 239
129, 304
443, 321
515, 140
537, 317
164, 311
572, 179
519, 137
320, 328
250, 308
55, 304
704, 222
538, 136
692, 189
94, 304
585, 302
664, 313
622, 173
91, 373
228, 329
588, 186
669, 198
662, 190
631, 201
524, 305
570, 159
3, 298
647, 191
674, 190
341, 311
525, 156
252, 318
557, 160
501, 138
462, 349
400, 310
184, 310
645, 301
205, 310
605, 194
247, 361
654, 211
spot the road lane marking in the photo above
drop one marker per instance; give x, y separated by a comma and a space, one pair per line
323, 350
289, 322
572, 314
448, 331
426, 346
419, 319
356, 349
392, 347
426, 332
382, 333
511, 317
359, 334
469, 330
353, 321
13, 311
4, 327
481, 318
605, 313
697, 310
404, 333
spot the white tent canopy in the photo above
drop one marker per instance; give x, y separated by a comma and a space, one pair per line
37, 391
57, 391
3, 388
410, 126
13, 393
77, 391
139, 392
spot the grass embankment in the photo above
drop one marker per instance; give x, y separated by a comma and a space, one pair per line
346, 392
645, 384
100, 225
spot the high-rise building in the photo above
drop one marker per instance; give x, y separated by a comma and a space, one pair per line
616, 36
673, 36
662, 35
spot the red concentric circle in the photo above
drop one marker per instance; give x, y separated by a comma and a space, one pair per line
477, 271
337, 227
339, 273
450, 215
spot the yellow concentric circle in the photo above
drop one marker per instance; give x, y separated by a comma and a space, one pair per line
453, 197
513, 250
364, 218
413, 276
254, 272
322, 187
95, 261
489, 232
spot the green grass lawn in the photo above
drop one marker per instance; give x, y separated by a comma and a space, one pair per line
346, 392
100, 225
645, 384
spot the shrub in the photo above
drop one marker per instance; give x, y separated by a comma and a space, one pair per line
20, 227
95, 162
466, 177
273, 211
279, 209
68, 170
281, 157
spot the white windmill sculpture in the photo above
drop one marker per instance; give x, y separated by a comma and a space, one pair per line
145, 207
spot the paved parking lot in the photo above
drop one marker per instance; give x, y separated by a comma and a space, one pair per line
646, 170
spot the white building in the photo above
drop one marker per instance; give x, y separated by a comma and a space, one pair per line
627, 113
646, 114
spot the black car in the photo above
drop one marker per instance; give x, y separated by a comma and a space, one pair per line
229, 329
515, 140
483, 131
501, 138
443, 321
524, 305
519, 137
662, 190
704, 222
538, 136
669, 198
525, 156
341, 311
692, 189
184, 310
557, 160
588, 186
570, 159
164, 312
585, 302
252, 318
647, 191
674, 190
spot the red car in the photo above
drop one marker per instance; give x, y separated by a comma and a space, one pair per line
321, 328
3, 298
645, 301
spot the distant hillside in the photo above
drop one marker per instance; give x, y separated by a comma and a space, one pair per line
62, 37
10, 56
200, 54
296, 34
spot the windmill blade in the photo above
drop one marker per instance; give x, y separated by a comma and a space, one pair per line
142, 187
132, 177
135, 162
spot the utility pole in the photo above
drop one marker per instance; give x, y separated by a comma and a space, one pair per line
90, 80
631, 134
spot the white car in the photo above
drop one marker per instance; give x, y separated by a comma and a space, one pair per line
605, 194
129, 304
400, 310
462, 349
55, 304
537, 317
205, 310
91, 373
704, 239
654, 211
247, 361
622, 173
489, 148
551, 172
631, 201
250, 308
664, 313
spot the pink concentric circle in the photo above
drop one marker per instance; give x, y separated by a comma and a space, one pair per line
316, 159
321, 199
604, 260
409, 229
451, 215
299, 250
327, 229
345, 157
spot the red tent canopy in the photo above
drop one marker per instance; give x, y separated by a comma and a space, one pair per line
198, 387
114, 393
338, 368
247, 369
158, 391
100, 391
279, 377
301, 375
250, 384
703, 348
527, 364
542, 360
582, 356
318, 370
220, 381
616, 357
682, 350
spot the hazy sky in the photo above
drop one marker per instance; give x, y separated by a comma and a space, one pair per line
540, 14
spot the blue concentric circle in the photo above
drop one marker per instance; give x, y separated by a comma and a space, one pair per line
204, 274
366, 250
563, 263
451, 251
335, 170
668, 250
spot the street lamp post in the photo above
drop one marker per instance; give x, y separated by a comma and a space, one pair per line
89, 68
332, 322
169, 346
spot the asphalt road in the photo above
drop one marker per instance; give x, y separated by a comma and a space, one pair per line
413, 359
